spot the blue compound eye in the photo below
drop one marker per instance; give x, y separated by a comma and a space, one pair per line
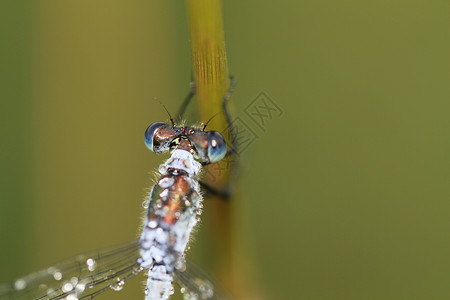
217, 147
158, 137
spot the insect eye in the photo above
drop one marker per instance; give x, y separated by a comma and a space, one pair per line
217, 147
154, 140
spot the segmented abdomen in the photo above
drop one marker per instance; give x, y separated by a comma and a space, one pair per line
172, 214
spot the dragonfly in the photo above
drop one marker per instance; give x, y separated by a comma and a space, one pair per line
173, 210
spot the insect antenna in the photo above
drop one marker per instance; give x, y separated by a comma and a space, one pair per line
170, 116
206, 124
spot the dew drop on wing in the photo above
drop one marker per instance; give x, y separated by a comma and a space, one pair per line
118, 286
91, 264
180, 264
20, 284
195, 284
67, 287
82, 276
72, 297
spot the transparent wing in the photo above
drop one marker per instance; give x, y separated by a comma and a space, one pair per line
83, 276
92, 273
195, 284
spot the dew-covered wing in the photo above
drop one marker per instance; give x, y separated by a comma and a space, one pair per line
83, 276
195, 284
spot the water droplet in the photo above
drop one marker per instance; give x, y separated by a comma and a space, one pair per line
180, 264
74, 281
137, 270
152, 224
20, 284
164, 194
72, 297
183, 290
146, 291
118, 285
166, 182
205, 287
50, 292
166, 210
199, 211
67, 287
158, 203
162, 169
161, 236
91, 263
145, 203
81, 286
188, 295
57, 275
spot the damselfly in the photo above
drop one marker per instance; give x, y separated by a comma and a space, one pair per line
174, 204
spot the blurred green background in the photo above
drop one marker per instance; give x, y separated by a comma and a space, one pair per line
344, 196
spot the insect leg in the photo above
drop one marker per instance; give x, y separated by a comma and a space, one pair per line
186, 101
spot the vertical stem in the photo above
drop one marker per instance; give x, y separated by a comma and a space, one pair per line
211, 77
210, 71
209, 57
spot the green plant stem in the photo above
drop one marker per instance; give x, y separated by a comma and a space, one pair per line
210, 71
209, 58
